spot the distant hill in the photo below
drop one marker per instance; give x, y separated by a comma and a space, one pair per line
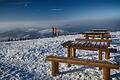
30, 33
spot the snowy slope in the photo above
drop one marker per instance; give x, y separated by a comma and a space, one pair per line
25, 60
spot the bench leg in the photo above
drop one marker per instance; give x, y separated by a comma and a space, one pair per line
69, 54
55, 68
100, 56
102, 36
86, 36
106, 73
107, 54
74, 52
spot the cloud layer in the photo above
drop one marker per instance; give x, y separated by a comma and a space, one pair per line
56, 9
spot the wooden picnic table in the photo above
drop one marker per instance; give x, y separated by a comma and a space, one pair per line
101, 35
86, 45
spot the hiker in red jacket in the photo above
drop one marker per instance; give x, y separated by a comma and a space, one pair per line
54, 31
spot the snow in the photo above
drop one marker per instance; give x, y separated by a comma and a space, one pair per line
25, 60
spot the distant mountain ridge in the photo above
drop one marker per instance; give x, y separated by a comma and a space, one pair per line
30, 33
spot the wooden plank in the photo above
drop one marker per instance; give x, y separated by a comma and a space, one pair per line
89, 48
87, 62
85, 45
98, 44
102, 44
97, 40
89, 44
93, 44
78, 43
95, 36
94, 33
66, 43
105, 45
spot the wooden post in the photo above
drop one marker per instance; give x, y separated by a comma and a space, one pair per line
107, 54
107, 37
106, 73
86, 36
102, 36
55, 68
108, 43
71, 52
68, 55
74, 52
99, 54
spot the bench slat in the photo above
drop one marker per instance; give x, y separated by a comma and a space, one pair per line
96, 40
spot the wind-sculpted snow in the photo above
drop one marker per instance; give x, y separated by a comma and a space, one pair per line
25, 60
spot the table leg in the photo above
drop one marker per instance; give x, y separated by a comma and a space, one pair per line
102, 36
86, 36
68, 54
74, 52
71, 55
107, 54
100, 56
55, 68
106, 74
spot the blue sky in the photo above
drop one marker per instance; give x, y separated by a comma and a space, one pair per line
55, 10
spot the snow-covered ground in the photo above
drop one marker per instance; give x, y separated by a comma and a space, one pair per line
25, 60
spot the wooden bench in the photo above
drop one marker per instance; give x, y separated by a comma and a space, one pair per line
108, 50
106, 66
106, 36
101, 35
